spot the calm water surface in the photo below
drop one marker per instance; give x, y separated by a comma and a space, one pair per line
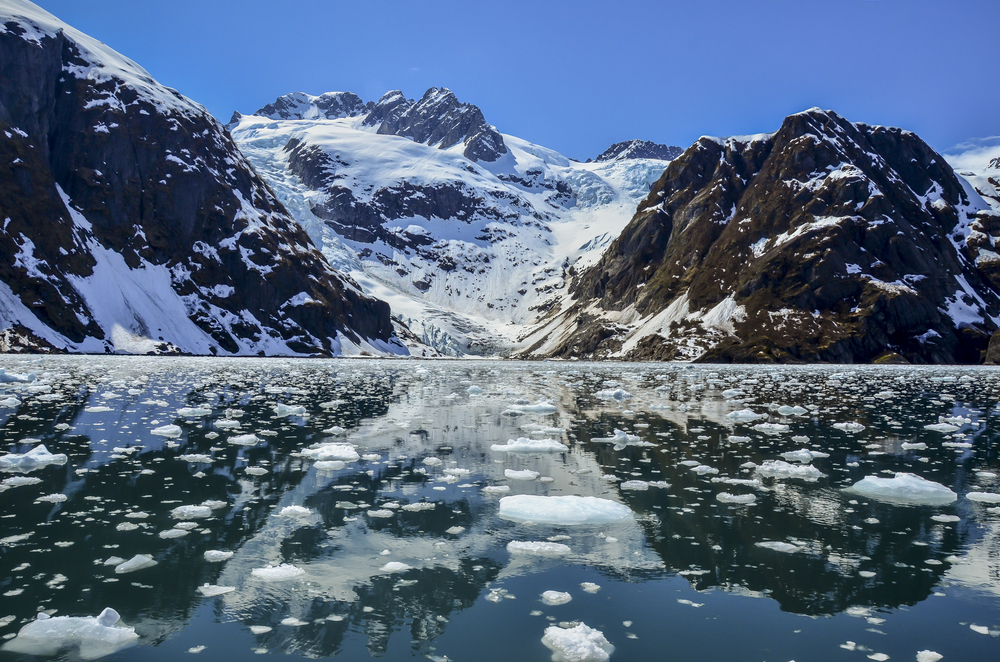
840, 576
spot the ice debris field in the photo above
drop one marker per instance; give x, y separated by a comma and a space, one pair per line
493, 511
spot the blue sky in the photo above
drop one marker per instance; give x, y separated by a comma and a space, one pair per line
579, 76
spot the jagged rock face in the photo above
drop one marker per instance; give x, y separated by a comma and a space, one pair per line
301, 106
995, 163
826, 241
639, 149
131, 222
438, 119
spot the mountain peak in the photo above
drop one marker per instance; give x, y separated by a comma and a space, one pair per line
639, 149
302, 106
995, 163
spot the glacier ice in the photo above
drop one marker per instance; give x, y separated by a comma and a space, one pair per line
805, 456
565, 510
167, 431
191, 512
522, 474
137, 562
577, 644
215, 556
327, 452
741, 499
282, 410
295, 511
555, 598
36, 458
525, 445
211, 590
983, 497
278, 573
538, 548
780, 469
905, 488
92, 636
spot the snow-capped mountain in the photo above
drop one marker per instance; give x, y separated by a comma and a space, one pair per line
639, 149
826, 240
131, 222
469, 234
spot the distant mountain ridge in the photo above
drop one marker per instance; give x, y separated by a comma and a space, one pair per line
639, 149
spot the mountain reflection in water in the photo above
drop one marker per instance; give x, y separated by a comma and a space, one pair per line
425, 431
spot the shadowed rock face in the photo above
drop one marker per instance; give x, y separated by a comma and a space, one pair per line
639, 149
331, 106
109, 179
826, 241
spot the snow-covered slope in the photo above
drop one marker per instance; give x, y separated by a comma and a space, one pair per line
468, 253
132, 223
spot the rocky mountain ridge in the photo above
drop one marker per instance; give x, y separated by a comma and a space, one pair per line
825, 241
131, 222
639, 149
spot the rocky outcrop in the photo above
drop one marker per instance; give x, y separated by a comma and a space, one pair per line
826, 241
301, 106
131, 221
639, 149
438, 119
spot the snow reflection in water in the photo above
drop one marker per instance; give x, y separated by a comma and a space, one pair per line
360, 501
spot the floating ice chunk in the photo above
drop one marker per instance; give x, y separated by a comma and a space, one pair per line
291, 621
454, 530
635, 485
93, 636
524, 474
193, 412
704, 469
394, 566
281, 410
137, 562
191, 512
943, 428
784, 547
227, 424
245, 440
173, 533
342, 452
905, 488
97, 409
849, 426
878, 657
10, 403
474, 390
928, 656
496, 489
805, 456
214, 504
278, 573
336, 429
329, 465
577, 644
211, 590
422, 505
383, 513
170, 431
983, 497
538, 548
771, 428
15, 378
780, 469
946, 518
114, 560
741, 499
36, 458
618, 394
785, 410
918, 446
295, 511
260, 629
525, 445
736, 439
745, 415
217, 556
540, 407
590, 587
565, 510
433, 461
555, 598
52, 498
731, 393
196, 458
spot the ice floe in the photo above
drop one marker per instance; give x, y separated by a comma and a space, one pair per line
779, 469
577, 644
805, 456
36, 458
525, 445
327, 452
555, 598
211, 590
216, 556
905, 488
171, 431
277, 573
137, 562
565, 510
191, 512
983, 497
91, 636
533, 548
520, 474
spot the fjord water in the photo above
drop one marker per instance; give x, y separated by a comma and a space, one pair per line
803, 570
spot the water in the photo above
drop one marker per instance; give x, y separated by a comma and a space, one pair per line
683, 578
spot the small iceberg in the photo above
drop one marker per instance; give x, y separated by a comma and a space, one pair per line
779, 469
904, 488
555, 598
564, 510
805, 456
282, 410
849, 426
540, 407
279, 573
744, 415
538, 548
36, 458
330, 452
618, 394
137, 562
92, 636
191, 512
193, 412
167, 431
577, 644
211, 590
15, 378
522, 474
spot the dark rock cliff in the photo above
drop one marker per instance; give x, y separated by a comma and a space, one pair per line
124, 204
639, 149
826, 241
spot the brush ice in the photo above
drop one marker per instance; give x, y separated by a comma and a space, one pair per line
618, 394
905, 488
538, 548
167, 431
15, 378
91, 636
279, 573
211, 590
577, 644
191, 512
137, 562
554, 598
523, 474
525, 445
564, 510
216, 556
780, 469
36, 458
983, 497
328, 452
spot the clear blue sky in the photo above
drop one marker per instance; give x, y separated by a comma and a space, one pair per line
578, 76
